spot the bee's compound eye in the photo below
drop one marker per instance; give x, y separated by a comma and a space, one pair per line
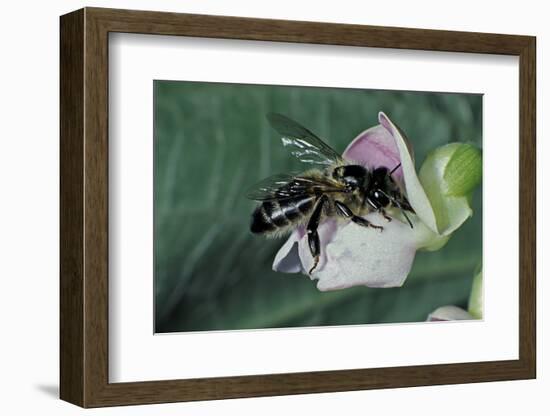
379, 198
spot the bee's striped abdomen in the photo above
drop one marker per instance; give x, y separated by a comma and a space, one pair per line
275, 215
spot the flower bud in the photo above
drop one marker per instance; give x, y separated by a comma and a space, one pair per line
449, 175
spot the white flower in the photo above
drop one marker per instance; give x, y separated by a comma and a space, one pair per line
449, 313
353, 255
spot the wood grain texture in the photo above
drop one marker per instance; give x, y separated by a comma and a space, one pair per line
96, 209
527, 207
84, 207
71, 99
227, 27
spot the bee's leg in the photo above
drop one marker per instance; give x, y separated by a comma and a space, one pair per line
386, 216
348, 213
312, 234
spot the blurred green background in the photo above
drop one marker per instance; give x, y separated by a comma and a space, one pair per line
212, 142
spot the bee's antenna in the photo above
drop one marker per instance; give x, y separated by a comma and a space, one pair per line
396, 202
395, 168
407, 218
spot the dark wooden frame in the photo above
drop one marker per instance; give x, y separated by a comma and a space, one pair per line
84, 207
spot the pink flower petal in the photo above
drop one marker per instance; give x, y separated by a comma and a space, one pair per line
327, 230
415, 192
374, 148
287, 259
359, 256
449, 313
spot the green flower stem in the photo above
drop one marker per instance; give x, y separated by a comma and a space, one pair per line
475, 303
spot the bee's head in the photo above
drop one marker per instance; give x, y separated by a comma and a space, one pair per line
383, 191
377, 198
354, 176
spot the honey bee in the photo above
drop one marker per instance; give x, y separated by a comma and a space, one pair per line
335, 188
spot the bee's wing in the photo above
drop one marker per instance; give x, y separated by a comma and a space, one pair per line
305, 145
285, 186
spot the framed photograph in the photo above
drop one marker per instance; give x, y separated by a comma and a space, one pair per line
255, 207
